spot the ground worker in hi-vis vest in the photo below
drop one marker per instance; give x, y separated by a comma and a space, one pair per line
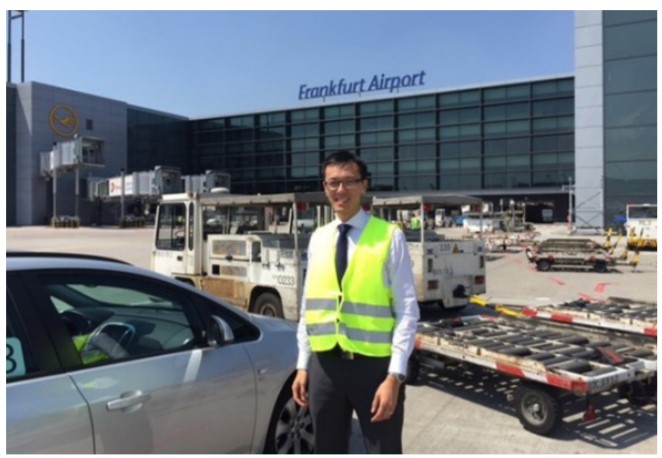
358, 319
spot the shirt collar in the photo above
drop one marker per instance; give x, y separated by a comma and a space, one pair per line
357, 221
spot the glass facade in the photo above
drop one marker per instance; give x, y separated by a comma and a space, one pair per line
630, 115
156, 139
517, 136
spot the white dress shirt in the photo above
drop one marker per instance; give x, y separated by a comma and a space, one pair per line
398, 276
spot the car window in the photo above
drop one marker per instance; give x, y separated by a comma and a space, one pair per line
116, 317
19, 357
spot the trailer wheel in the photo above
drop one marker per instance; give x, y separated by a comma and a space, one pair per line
538, 409
600, 266
268, 304
543, 265
413, 370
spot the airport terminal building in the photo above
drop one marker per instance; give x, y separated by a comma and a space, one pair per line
588, 137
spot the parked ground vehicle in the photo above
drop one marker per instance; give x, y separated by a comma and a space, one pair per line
569, 253
446, 270
103, 357
248, 250
641, 225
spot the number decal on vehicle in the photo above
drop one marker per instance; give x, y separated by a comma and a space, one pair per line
15, 361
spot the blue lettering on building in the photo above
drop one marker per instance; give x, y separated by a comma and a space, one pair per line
376, 83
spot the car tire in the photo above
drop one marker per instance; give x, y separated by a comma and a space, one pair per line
291, 427
543, 265
268, 304
538, 409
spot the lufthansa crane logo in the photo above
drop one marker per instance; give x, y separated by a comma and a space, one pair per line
63, 120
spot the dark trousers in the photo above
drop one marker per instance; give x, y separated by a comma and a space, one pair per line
338, 386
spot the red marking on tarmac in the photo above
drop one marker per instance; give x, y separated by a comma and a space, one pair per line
600, 287
558, 281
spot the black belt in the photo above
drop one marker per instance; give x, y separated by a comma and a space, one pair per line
338, 352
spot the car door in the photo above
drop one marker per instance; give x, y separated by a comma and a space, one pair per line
157, 387
45, 411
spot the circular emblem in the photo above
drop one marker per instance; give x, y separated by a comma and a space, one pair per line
63, 120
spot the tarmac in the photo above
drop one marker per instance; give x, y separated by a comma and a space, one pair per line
460, 410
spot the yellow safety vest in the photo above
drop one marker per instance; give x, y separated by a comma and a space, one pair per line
359, 318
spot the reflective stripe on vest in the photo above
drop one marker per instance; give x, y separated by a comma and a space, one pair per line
359, 318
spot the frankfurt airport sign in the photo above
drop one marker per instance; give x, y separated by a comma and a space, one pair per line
376, 83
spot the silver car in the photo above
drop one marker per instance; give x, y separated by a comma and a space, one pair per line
104, 357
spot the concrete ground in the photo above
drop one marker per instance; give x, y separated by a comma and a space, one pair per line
460, 410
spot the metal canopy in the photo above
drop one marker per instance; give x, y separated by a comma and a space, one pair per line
415, 200
265, 200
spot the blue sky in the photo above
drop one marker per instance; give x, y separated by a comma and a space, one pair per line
204, 63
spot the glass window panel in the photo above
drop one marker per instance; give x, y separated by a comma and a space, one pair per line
545, 108
566, 142
548, 178
407, 104
347, 141
305, 115
425, 134
470, 148
495, 180
631, 178
426, 166
449, 132
519, 179
518, 127
385, 106
407, 166
566, 158
623, 17
494, 93
449, 117
544, 125
470, 163
517, 92
368, 139
407, 121
470, 131
329, 142
425, 101
518, 145
304, 130
545, 160
517, 110
382, 183
469, 115
368, 108
407, 136
385, 137
471, 181
566, 86
312, 143
630, 143
545, 143
300, 145
521, 161
449, 149
494, 147
448, 182
565, 106
544, 88
627, 75
451, 99
494, 129
449, 164
384, 167
566, 122
631, 109
470, 97
494, 113
630, 40
425, 119
495, 162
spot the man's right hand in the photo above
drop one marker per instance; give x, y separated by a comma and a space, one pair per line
300, 388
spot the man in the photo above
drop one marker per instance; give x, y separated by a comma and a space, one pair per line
358, 319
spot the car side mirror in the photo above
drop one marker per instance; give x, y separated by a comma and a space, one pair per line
219, 332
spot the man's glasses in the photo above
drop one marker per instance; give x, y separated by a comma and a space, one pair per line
334, 185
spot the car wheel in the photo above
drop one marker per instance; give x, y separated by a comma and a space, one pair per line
291, 427
543, 265
268, 304
600, 267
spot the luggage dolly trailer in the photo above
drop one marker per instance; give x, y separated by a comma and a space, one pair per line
626, 316
569, 254
550, 363
631, 319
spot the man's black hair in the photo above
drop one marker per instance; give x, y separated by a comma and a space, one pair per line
343, 158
